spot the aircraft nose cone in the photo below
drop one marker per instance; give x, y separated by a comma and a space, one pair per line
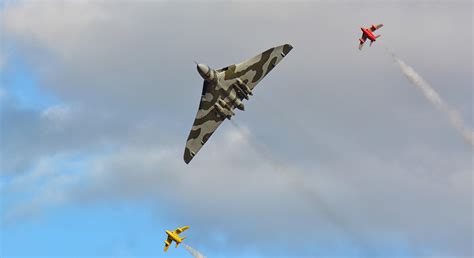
203, 70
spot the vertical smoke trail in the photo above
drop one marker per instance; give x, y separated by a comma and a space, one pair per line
195, 253
435, 99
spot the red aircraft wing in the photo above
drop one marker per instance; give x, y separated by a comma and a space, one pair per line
362, 41
376, 27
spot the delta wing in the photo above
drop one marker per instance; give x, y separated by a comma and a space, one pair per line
253, 70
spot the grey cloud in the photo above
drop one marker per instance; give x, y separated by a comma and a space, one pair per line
252, 202
345, 121
131, 58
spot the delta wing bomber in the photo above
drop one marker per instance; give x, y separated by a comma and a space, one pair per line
224, 90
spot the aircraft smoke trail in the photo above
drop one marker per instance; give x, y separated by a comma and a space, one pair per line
195, 253
297, 182
435, 99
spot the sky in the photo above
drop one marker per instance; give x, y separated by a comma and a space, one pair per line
337, 154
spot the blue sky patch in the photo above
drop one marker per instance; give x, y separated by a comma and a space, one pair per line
21, 85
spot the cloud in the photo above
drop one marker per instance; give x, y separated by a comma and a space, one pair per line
29, 135
46, 183
56, 115
222, 188
332, 116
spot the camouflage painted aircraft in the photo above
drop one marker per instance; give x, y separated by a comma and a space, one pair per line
174, 236
224, 90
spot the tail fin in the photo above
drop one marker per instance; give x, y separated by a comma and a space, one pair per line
180, 242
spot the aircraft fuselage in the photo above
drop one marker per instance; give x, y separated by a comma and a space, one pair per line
206, 72
210, 75
369, 34
174, 236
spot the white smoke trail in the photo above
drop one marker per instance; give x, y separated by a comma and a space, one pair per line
435, 99
195, 253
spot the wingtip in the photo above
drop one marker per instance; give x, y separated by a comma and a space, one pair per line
287, 48
187, 157
187, 160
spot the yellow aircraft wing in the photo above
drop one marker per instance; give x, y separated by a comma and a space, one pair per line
180, 230
167, 243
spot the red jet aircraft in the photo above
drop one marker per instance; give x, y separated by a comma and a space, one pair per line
367, 33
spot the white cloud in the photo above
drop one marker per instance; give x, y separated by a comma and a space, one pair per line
54, 25
220, 188
57, 114
340, 149
43, 186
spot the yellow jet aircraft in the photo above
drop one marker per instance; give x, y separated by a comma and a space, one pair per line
174, 236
